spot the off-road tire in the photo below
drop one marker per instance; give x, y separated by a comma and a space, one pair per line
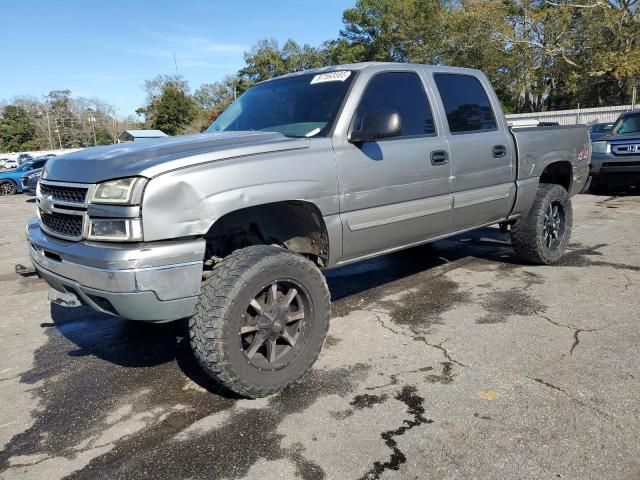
528, 233
7, 187
214, 328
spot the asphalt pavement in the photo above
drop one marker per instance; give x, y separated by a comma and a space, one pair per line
445, 361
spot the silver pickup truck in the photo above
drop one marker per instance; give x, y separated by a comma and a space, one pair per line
305, 172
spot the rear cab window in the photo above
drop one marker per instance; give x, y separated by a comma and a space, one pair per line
466, 103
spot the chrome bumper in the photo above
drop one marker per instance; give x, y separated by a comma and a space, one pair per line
157, 281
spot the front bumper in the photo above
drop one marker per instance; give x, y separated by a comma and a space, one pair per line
615, 169
154, 282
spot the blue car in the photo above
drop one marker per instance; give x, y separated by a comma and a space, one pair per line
10, 180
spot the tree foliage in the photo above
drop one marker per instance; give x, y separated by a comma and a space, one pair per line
173, 110
17, 131
540, 54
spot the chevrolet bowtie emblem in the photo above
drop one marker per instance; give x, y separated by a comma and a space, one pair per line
46, 204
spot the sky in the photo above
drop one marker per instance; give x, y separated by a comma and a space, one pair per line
107, 49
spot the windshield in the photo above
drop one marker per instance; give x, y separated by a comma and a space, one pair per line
627, 124
300, 106
24, 167
601, 127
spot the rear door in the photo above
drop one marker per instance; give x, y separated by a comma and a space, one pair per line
391, 192
482, 154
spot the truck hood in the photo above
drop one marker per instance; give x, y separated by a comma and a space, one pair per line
155, 157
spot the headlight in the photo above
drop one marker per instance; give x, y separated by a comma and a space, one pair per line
599, 147
124, 191
115, 229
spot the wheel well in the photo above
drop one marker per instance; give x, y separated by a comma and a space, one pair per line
296, 225
558, 173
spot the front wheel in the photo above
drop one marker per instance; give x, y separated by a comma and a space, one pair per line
542, 236
7, 187
260, 320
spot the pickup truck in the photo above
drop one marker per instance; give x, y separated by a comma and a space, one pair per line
309, 171
616, 156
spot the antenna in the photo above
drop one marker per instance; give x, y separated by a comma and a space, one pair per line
175, 62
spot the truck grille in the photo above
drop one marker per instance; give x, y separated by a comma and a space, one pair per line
626, 149
64, 193
63, 224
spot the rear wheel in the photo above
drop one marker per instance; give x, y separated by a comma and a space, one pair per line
261, 320
7, 187
542, 236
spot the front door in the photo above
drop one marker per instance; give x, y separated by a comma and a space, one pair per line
397, 191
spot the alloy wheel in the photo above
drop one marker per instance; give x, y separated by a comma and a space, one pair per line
275, 322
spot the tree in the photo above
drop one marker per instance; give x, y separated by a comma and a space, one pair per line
267, 60
17, 131
174, 110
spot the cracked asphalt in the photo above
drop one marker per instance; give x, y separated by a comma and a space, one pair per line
444, 361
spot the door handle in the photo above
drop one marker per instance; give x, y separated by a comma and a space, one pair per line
499, 151
439, 157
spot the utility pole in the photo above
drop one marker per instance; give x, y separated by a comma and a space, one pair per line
634, 93
57, 130
92, 120
49, 129
175, 62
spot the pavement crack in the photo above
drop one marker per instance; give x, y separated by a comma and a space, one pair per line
394, 378
438, 346
576, 339
578, 401
409, 396
576, 331
384, 325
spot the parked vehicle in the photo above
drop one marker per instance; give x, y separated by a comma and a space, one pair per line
616, 156
11, 163
24, 157
3, 161
30, 181
599, 130
305, 172
10, 180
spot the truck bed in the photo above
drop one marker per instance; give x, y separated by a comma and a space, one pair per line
537, 147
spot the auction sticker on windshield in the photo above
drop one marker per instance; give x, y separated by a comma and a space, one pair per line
339, 76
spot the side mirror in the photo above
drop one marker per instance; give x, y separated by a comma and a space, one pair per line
377, 125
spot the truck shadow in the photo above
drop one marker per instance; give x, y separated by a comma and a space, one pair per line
130, 344
138, 345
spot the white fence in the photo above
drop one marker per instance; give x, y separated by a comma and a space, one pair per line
573, 117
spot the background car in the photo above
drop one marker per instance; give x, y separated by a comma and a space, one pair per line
10, 180
3, 161
30, 181
599, 130
24, 157
615, 162
11, 163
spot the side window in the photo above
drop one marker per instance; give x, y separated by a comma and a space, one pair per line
402, 92
465, 102
38, 164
